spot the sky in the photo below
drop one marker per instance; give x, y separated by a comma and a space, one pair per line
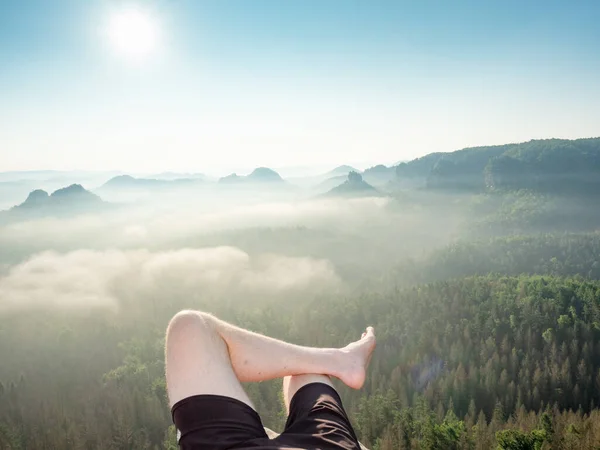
227, 85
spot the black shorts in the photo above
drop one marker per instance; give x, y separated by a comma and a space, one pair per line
317, 420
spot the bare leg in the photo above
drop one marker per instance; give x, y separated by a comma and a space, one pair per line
197, 361
205, 355
292, 383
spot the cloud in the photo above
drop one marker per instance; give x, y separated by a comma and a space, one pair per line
165, 225
88, 279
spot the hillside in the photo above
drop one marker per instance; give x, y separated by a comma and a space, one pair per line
550, 165
342, 170
264, 175
568, 254
323, 182
330, 183
354, 186
68, 201
73, 197
260, 175
127, 182
484, 349
379, 176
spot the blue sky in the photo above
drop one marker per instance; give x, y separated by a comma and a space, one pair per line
235, 84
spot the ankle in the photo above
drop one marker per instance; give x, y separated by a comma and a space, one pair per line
338, 362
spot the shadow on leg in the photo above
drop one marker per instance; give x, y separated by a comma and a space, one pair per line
316, 416
291, 385
197, 360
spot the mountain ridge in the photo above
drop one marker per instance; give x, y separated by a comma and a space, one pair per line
72, 199
354, 186
559, 165
258, 175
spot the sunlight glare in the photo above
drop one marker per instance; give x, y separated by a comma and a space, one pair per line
133, 33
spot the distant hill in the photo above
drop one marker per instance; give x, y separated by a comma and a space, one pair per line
35, 199
354, 186
419, 168
330, 183
121, 182
462, 169
127, 181
258, 176
15, 186
72, 195
264, 174
73, 199
341, 170
234, 178
553, 165
548, 165
379, 175
323, 182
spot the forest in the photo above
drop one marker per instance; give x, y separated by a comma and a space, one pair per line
480, 275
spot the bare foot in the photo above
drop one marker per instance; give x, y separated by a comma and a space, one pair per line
355, 359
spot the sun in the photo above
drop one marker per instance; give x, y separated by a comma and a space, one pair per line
133, 33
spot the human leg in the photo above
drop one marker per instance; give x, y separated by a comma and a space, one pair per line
316, 415
209, 407
252, 357
206, 358
198, 362
293, 383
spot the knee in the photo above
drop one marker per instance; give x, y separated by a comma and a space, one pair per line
189, 321
293, 383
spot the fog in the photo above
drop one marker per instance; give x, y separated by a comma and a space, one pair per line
158, 224
89, 280
354, 235
86, 279
194, 246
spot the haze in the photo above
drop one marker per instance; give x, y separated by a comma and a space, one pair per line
218, 87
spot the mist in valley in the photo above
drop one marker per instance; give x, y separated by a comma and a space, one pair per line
89, 278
